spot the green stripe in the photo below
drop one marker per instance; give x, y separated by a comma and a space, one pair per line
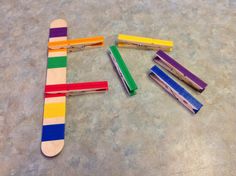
129, 79
57, 62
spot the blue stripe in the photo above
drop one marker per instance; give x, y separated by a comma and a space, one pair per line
53, 132
157, 71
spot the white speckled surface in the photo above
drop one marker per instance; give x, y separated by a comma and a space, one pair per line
111, 134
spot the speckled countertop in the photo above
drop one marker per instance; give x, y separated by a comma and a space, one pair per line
111, 134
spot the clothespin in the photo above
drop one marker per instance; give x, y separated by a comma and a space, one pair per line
76, 88
122, 70
179, 71
144, 43
77, 44
175, 89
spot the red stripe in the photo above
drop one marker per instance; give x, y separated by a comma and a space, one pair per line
77, 86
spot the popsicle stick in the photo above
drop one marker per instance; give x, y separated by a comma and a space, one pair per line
53, 129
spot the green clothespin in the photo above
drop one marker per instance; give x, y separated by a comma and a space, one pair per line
122, 70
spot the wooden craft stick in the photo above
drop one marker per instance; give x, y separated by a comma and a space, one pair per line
53, 130
56, 89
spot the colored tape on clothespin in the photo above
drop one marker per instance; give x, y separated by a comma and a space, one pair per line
122, 70
76, 88
78, 44
144, 43
179, 71
175, 89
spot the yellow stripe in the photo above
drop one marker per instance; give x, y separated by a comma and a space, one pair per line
137, 39
52, 110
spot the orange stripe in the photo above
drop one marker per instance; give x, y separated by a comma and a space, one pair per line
96, 39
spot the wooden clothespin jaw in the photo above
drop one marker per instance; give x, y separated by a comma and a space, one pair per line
129, 41
76, 88
78, 44
179, 71
122, 70
175, 89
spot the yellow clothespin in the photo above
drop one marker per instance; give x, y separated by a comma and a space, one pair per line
144, 43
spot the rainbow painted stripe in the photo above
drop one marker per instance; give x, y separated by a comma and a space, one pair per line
53, 130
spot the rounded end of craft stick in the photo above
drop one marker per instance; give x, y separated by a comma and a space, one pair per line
58, 23
52, 148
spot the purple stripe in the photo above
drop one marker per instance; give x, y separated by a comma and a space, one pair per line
179, 67
58, 32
